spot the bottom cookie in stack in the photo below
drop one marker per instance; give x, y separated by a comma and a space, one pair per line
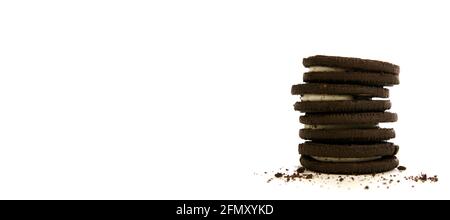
354, 158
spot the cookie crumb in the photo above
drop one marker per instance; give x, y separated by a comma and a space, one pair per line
433, 179
401, 168
301, 170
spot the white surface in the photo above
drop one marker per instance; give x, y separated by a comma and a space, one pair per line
188, 99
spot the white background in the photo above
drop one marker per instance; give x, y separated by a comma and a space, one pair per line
188, 99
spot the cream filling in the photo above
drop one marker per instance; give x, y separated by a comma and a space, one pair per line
341, 126
321, 97
323, 69
345, 160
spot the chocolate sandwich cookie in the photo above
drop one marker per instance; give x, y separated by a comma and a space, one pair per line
341, 119
347, 118
347, 135
343, 106
346, 77
351, 63
340, 89
366, 167
353, 150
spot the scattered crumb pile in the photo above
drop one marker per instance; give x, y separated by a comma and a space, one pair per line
422, 177
375, 180
297, 175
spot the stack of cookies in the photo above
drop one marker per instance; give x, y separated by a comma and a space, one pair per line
344, 100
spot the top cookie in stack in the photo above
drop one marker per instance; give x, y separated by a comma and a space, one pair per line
341, 120
332, 69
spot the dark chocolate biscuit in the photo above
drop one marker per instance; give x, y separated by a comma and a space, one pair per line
339, 89
348, 135
361, 78
353, 150
347, 118
351, 63
375, 166
343, 106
